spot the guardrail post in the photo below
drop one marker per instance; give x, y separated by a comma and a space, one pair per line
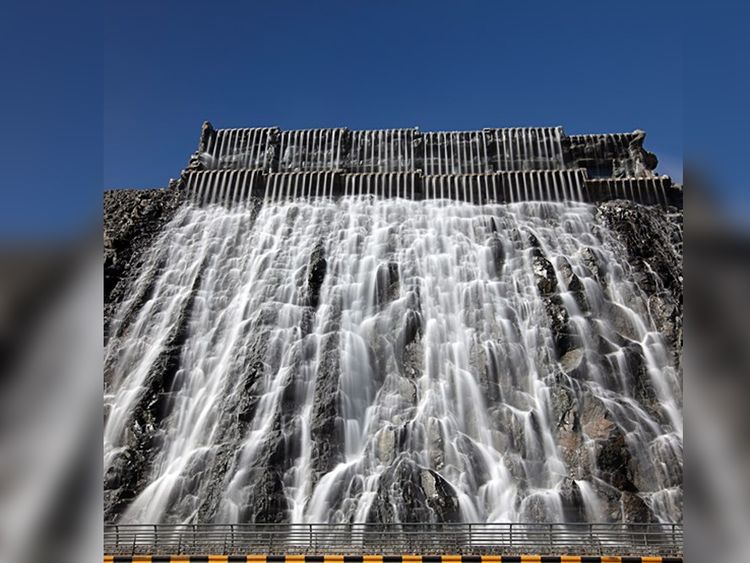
470, 542
310, 546
674, 539
511, 535
156, 537
591, 538
549, 547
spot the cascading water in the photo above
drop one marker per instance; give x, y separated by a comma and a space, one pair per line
362, 358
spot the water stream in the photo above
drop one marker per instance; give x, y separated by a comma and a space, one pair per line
382, 359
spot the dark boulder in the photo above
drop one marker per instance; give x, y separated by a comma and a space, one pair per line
316, 273
410, 493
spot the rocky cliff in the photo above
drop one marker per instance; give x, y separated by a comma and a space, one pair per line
591, 432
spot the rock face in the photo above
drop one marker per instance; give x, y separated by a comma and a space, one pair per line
592, 439
592, 435
654, 244
132, 218
410, 493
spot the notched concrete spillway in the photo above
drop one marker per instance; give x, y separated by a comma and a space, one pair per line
396, 326
488, 166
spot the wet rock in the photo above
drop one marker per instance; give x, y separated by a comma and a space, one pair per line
386, 445
410, 493
593, 263
573, 284
573, 507
267, 502
564, 408
563, 331
412, 327
634, 509
652, 241
515, 466
132, 219
539, 508
406, 389
621, 506
497, 253
566, 270
613, 461
122, 472
571, 360
621, 321
544, 274
316, 272
639, 381
393, 282
440, 496
128, 476
326, 426
570, 440
412, 357
511, 424
670, 469
435, 443
595, 419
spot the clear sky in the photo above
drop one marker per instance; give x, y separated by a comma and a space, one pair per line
436, 65
128, 101
50, 98
717, 86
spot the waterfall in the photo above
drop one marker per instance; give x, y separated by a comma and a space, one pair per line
236, 187
239, 148
349, 352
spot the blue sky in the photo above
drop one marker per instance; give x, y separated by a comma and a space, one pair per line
51, 100
717, 86
436, 65
129, 94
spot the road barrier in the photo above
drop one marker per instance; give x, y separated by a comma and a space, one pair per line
662, 540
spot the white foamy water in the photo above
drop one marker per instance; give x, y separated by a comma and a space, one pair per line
418, 343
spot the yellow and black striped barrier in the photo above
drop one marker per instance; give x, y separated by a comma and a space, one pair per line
388, 559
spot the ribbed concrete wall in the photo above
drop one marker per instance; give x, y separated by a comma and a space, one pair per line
491, 165
410, 150
231, 186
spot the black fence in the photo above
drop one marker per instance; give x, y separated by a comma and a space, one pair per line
361, 539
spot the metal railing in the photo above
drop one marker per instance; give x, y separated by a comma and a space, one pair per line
360, 539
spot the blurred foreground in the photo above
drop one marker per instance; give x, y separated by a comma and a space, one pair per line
50, 403
717, 379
